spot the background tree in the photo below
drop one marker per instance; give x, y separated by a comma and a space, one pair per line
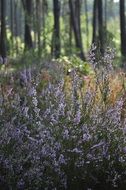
3, 50
86, 19
98, 25
56, 29
75, 21
27, 4
12, 22
38, 22
101, 31
51, 27
122, 27
94, 23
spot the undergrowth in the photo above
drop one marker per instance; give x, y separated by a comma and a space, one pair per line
66, 133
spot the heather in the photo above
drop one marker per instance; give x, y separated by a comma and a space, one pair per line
63, 127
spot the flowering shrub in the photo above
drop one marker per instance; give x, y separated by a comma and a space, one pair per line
52, 138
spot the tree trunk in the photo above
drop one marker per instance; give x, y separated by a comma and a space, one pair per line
95, 13
106, 6
3, 52
43, 24
70, 35
38, 16
27, 4
86, 17
123, 28
56, 30
75, 21
16, 27
100, 26
11, 23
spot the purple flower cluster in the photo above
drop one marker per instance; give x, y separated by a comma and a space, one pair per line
56, 139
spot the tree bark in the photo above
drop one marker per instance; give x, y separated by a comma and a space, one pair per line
27, 4
100, 26
87, 24
94, 23
3, 50
56, 31
38, 17
75, 21
123, 28
11, 23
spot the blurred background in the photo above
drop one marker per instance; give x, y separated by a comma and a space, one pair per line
55, 28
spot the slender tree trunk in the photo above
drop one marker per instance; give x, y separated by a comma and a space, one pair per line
38, 16
75, 21
27, 4
95, 13
16, 28
100, 26
43, 25
106, 15
123, 27
56, 31
3, 52
34, 24
70, 35
11, 23
87, 27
